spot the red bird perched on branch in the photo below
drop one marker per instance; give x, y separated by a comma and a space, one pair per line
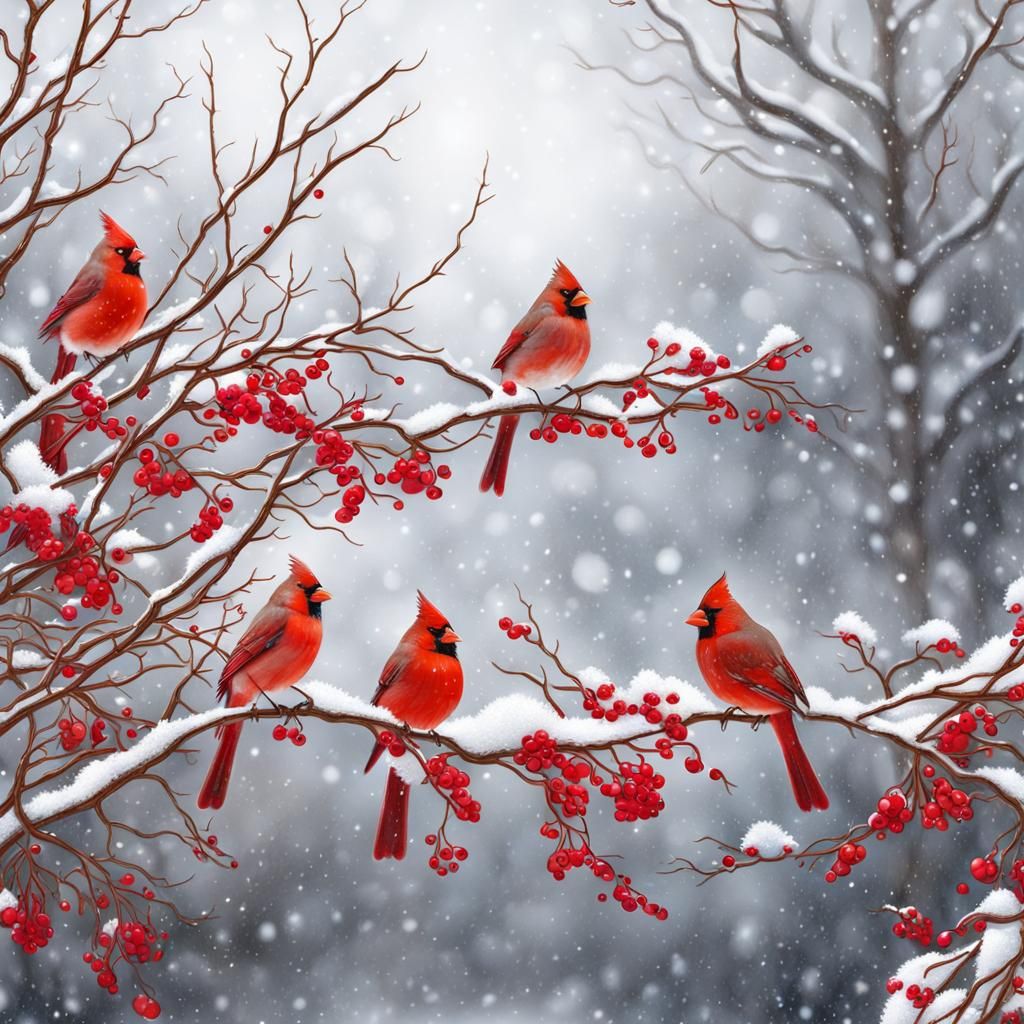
421, 685
744, 665
546, 349
99, 314
276, 651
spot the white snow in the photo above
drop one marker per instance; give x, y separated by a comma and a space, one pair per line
23, 658
1009, 780
20, 356
54, 499
614, 373
778, 336
432, 418
851, 622
1014, 593
168, 314
222, 541
16, 205
26, 464
171, 355
931, 632
769, 838
7, 899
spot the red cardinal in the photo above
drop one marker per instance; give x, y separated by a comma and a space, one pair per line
276, 651
421, 685
546, 349
99, 314
745, 667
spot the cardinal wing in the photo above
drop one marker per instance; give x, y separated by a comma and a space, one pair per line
514, 340
392, 670
266, 632
85, 286
754, 658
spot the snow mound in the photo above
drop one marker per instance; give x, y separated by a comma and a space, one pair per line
769, 838
1014, 593
851, 622
27, 466
432, 418
931, 632
778, 336
54, 499
502, 724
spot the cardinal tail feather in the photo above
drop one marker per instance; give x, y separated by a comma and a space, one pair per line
497, 465
393, 827
806, 787
215, 787
52, 438
378, 749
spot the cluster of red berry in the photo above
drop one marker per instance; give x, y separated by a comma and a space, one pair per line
701, 363
30, 925
414, 475
92, 405
636, 795
146, 1007
715, 401
263, 400
956, 733
985, 870
945, 646
138, 942
514, 630
1018, 632
849, 854
946, 800
595, 699
75, 570
210, 520
456, 783
563, 423
892, 813
294, 733
72, 733
913, 925
157, 479
445, 857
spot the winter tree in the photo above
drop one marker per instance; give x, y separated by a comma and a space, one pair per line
882, 139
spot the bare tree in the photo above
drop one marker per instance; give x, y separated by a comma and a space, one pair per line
881, 127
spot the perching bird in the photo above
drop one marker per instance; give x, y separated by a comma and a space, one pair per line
276, 651
744, 665
99, 314
546, 349
421, 685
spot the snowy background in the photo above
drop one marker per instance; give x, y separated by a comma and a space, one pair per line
615, 551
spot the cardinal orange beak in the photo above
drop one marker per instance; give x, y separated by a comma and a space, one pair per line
319, 595
581, 299
449, 636
698, 619
136, 256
